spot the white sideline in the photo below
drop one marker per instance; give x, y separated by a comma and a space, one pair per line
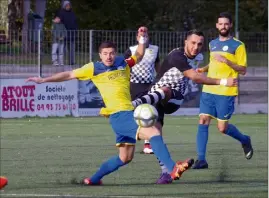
71, 196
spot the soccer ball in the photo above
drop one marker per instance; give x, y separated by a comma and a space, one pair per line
145, 115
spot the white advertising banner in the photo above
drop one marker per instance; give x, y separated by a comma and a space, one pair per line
19, 99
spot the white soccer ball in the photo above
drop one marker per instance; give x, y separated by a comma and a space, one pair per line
145, 115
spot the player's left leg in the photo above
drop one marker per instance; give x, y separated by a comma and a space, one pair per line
125, 128
126, 154
225, 109
154, 96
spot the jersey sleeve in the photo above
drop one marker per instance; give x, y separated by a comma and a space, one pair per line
85, 72
127, 53
131, 61
179, 61
241, 55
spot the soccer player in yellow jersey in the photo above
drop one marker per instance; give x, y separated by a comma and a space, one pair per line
112, 77
227, 59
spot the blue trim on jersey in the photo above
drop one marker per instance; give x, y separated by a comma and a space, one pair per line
228, 46
119, 64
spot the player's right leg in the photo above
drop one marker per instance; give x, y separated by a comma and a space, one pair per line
207, 111
138, 90
161, 152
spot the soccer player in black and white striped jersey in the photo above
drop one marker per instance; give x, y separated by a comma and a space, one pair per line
171, 81
142, 76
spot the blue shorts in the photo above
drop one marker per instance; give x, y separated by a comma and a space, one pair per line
125, 127
217, 106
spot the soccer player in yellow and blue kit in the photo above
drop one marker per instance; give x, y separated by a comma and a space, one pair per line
227, 59
112, 78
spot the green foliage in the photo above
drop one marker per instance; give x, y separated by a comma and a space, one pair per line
168, 15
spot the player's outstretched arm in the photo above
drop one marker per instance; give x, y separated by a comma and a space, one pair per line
201, 79
143, 39
59, 77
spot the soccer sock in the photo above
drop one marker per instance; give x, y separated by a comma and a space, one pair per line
161, 152
111, 165
236, 134
163, 167
201, 141
150, 98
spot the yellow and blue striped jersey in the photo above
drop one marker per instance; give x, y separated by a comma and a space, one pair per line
235, 51
113, 83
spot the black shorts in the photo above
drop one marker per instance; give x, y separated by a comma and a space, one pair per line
169, 107
139, 89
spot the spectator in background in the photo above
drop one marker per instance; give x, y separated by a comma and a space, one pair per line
59, 34
69, 20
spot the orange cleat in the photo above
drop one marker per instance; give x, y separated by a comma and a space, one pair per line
180, 168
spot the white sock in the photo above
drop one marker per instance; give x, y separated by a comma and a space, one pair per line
146, 141
163, 168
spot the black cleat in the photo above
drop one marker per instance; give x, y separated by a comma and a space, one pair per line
248, 150
200, 164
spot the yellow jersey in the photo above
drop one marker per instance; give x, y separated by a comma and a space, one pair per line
235, 51
113, 83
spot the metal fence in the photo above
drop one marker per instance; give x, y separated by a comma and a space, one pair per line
35, 47
29, 53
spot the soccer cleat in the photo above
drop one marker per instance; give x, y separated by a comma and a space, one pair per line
88, 182
165, 178
180, 168
3, 182
248, 150
147, 149
200, 164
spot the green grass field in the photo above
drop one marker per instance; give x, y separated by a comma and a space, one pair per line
42, 158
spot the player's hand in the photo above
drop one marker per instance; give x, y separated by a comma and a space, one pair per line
199, 70
232, 82
143, 32
37, 80
220, 58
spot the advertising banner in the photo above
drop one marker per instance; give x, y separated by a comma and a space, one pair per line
19, 99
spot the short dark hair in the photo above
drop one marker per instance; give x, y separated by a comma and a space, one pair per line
107, 44
226, 15
196, 32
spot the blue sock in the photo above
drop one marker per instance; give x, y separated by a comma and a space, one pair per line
161, 152
201, 141
111, 165
236, 134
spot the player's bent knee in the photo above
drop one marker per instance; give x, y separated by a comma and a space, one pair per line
222, 127
126, 153
126, 159
167, 92
204, 119
147, 133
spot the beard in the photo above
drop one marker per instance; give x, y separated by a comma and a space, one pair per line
188, 53
224, 34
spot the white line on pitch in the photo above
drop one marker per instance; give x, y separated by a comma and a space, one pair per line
69, 196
